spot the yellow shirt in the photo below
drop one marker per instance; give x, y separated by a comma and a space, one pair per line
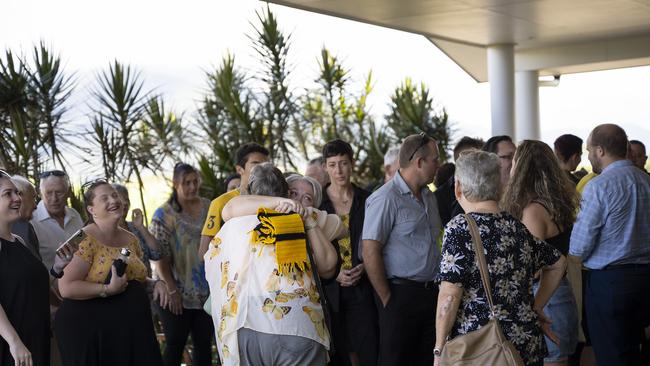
345, 247
101, 257
583, 182
213, 221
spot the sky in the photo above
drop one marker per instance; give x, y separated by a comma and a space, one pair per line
173, 42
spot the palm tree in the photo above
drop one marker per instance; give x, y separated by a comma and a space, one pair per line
118, 108
413, 111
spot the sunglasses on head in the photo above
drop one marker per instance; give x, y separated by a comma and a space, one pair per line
423, 141
4, 174
93, 183
53, 173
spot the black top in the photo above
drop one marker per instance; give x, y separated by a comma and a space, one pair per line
357, 213
24, 291
448, 206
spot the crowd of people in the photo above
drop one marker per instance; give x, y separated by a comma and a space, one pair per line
291, 269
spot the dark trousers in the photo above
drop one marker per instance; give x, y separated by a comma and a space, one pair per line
177, 327
407, 328
355, 326
618, 308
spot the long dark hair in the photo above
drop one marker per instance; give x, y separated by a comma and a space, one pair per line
180, 170
538, 177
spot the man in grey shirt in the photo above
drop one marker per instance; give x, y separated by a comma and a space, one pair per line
401, 255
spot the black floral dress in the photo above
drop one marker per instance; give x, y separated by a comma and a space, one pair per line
513, 256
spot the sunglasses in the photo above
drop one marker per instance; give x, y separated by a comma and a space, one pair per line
423, 141
4, 174
93, 183
53, 173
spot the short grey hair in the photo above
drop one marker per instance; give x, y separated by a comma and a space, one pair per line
267, 180
392, 156
318, 190
23, 184
479, 174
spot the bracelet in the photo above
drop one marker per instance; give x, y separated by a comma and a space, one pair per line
104, 292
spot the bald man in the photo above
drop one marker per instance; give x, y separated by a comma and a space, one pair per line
612, 236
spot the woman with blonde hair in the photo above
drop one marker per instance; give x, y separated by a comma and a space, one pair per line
541, 195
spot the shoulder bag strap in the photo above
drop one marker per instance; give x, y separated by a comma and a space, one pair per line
480, 258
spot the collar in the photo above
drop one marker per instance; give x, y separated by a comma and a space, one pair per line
617, 164
42, 214
400, 183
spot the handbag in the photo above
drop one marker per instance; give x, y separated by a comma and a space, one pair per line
488, 345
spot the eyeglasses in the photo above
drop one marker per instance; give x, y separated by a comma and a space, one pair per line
54, 173
423, 142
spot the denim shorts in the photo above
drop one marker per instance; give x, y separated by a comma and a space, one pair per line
563, 312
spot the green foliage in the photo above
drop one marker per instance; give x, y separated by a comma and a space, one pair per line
33, 99
119, 107
412, 112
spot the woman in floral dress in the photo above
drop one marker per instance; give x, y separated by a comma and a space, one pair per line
513, 257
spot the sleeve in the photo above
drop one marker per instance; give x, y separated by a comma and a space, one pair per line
378, 225
213, 220
544, 254
86, 250
455, 259
588, 225
161, 232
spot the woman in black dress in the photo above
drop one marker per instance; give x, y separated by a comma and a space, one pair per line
102, 324
24, 286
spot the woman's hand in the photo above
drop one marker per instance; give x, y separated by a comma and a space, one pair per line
286, 206
62, 258
137, 219
118, 283
436, 360
161, 294
175, 304
20, 353
545, 323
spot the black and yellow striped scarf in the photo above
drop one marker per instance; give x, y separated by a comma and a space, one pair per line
287, 233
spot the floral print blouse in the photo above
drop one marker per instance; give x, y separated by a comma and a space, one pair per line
513, 256
179, 235
101, 257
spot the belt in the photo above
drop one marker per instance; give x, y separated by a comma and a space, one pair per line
404, 282
626, 266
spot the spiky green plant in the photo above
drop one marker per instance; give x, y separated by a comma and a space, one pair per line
413, 111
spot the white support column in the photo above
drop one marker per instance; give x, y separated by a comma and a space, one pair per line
501, 75
527, 105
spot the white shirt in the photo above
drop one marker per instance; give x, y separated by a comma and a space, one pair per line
49, 232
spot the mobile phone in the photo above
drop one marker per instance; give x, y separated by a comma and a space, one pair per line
72, 242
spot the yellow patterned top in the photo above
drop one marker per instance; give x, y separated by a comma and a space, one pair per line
101, 257
345, 247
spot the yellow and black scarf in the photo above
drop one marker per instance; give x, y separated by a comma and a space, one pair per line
287, 233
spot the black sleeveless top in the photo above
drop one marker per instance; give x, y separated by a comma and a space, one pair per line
561, 240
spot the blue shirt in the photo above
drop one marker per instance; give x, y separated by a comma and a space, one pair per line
407, 229
613, 225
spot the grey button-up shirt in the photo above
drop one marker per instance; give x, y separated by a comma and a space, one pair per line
406, 227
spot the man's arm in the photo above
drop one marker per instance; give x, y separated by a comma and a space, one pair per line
588, 224
374, 263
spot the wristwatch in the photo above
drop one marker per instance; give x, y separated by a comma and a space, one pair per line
55, 274
437, 352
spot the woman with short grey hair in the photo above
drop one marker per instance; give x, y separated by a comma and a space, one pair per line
23, 227
513, 257
267, 180
305, 190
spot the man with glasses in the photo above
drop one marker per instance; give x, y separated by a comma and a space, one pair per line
504, 148
401, 255
53, 221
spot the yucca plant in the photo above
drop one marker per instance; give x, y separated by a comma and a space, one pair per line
117, 110
413, 111
164, 133
50, 88
278, 104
